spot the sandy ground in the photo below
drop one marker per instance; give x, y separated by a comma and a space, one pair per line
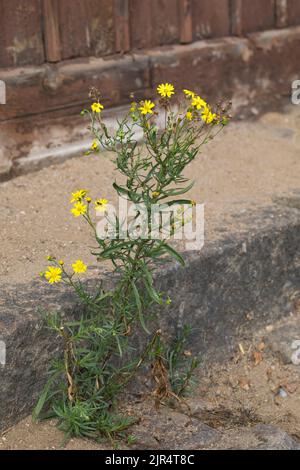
252, 387
245, 167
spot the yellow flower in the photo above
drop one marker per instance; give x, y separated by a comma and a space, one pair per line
95, 145
207, 116
155, 194
189, 116
198, 102
88, 200
97, 107
78, 195
61, 262
78, 209
79, 267
189, 93
166, 90
100, 205
53, 275
146, 107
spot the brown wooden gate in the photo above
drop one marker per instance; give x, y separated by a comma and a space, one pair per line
33, 32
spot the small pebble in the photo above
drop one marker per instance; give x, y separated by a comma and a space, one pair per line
282, 393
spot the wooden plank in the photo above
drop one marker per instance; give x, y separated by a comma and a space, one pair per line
236, 17
51, 30
86, 27
165, 22
154, 23
210, 18
73, 20
118, 77
121, 12
140, 20
69, 82
257, 15
281, 13
293, 14
21, 40
186, 24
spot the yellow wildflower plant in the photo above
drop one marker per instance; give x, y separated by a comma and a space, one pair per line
166, 90
77, 196
146, 107
79, 267
97, 107
152, 171
78, 209
189, 93
207, 116
101, 205
95, 145
198, 102
53, 274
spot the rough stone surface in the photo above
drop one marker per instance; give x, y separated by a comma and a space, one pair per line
273, 438
259, 437
245, 280
221, 414
213, 293
230, 283
171, 430
285, 341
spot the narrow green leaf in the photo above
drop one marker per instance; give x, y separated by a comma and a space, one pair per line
44, 397
109, 251
148, 281
179, 201
177, 192
120, 190
139, 307
174, 253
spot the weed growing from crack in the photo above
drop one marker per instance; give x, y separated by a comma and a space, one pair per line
99, 359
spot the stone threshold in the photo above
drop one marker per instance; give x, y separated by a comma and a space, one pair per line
235, 285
